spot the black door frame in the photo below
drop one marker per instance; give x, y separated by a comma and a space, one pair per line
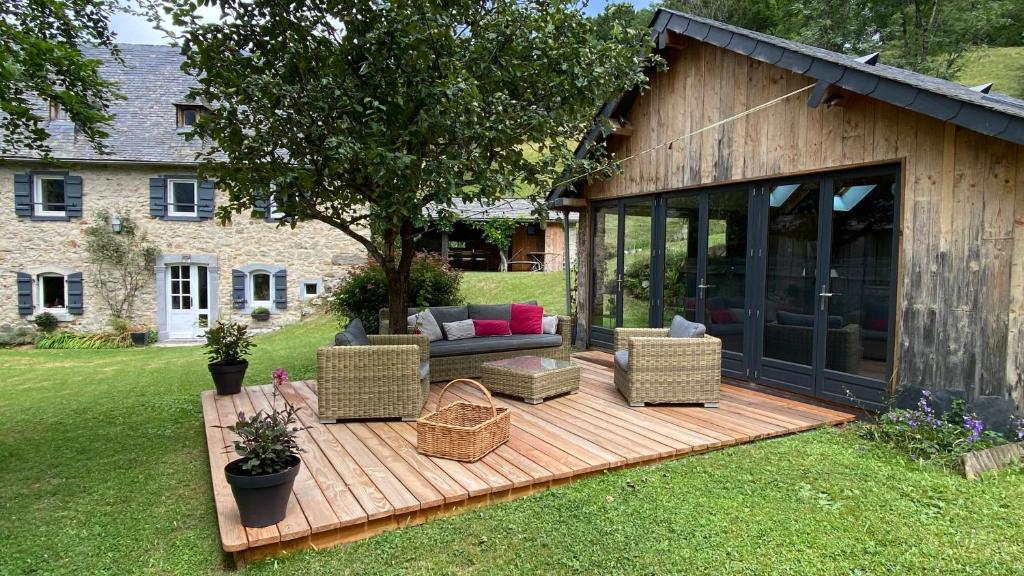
751, 364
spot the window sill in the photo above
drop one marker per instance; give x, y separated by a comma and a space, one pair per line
60, 315
182, 219
49, 218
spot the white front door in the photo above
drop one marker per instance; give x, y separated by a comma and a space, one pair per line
188, 300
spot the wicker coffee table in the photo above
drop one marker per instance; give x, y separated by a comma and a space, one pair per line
531, 378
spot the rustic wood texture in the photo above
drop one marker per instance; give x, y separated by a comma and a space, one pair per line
961, 279
974, 464
361, 478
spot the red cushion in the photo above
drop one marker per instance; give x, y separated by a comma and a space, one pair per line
491, 328
878, 324
526, 319
721, 316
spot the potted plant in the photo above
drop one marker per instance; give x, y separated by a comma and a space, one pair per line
260, 313
227, 343
139, 335
261, 479
46, 322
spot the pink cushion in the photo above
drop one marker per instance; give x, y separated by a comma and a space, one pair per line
526, 319
721, 316
491, 328
879, 324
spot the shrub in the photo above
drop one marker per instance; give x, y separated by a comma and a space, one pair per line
62, 340
266, 441
365, 291
46, 322
924, 434
152, 336
227, 343
260, 310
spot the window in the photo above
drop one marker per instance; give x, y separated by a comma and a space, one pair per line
188, 115
260, 289
56, 112
182, 198
272, 212
310, 289
49, 196
52, 291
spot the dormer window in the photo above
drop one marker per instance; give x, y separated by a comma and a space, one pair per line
188, 114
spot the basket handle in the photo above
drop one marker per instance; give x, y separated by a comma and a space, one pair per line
487, 393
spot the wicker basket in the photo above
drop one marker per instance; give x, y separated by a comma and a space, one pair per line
462, 430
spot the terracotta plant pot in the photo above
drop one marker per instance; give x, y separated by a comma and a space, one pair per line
262, 500
227, 378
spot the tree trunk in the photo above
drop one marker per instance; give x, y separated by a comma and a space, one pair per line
398, 300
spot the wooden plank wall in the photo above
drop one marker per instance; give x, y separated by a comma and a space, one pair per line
962, 252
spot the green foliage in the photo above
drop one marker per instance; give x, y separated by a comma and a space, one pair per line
18, 336
266, 440
122, 262
63, 340
362, 114
922, 433
260, 310
1004, 67
152, 336
40, 57
227, 343
364, 292
496, 231
46, 322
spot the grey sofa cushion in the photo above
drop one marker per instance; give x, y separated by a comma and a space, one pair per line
483, 344
353, 335
683, 328
424, 370
622, 359
490, 311
445, 314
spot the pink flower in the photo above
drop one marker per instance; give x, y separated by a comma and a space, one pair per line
280, 377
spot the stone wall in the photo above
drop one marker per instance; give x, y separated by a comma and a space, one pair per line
311, 251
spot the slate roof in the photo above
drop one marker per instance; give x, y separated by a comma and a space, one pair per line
994, 114
145, 122
517, 208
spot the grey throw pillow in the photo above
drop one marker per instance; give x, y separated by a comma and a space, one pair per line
683, 328
354, 335
460, 330
426, 324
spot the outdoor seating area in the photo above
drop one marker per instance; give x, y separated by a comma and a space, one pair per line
360, 478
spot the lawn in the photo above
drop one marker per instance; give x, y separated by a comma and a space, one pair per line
1004, 67
103, 468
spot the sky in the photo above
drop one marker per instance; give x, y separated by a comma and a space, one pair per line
135, 30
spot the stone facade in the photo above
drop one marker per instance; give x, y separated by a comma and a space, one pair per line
312, 253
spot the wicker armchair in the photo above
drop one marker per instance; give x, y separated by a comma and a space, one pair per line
387, 379
663, 369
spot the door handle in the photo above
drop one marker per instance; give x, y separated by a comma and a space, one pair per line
829, 294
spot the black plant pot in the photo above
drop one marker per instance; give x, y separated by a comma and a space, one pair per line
138, 338
261, 500
228, 377
261, 316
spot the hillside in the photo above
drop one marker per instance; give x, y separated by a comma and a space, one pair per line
1003, 66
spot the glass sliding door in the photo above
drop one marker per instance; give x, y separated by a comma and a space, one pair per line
637, 249
682, 247
790, 263
725, 276
858, 291
603, 316
622, 283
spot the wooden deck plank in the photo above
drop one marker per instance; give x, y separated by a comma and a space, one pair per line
343, 504
366, 493
360, 478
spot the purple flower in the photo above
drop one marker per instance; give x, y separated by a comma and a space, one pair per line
1018, 425
280, 377
974, 425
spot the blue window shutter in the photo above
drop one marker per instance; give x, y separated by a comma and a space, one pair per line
206, 192
73, 196
281, 289
158, 197
25, 304
23, 195
75, 302
237, 289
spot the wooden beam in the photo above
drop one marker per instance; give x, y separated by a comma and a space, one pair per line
621, 128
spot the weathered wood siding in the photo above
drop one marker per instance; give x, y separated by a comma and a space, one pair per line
961, 281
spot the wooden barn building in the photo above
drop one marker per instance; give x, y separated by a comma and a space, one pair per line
845, 227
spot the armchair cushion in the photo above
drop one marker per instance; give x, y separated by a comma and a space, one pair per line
622, 359
683, 328
353, 335
490, 311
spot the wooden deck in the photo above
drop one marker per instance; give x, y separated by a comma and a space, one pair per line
359, 479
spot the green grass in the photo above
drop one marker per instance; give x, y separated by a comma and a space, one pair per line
1003, 66
547, 288
103, 470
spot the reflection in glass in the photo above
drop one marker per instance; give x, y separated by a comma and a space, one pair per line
682, 232
636, 264
725, 296
606, 232
863, 215
791, 260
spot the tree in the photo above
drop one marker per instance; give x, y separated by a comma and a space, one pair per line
41, 58
362, 114
122, 262
498, 233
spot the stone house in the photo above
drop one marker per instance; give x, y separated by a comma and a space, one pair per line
206, 270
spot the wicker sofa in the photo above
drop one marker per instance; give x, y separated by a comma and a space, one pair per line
651, 367
387, 379
462, 358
